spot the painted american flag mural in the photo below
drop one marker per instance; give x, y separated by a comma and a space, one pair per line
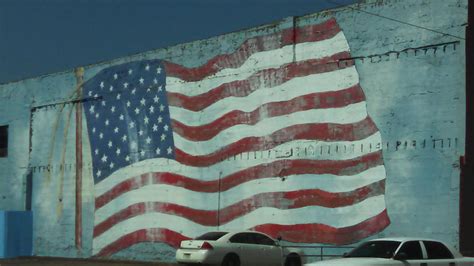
180, 151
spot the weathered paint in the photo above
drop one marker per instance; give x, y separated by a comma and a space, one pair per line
415, 97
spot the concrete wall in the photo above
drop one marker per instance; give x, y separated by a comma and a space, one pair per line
412, 81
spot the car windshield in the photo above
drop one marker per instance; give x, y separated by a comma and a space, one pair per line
211, 236
375, 249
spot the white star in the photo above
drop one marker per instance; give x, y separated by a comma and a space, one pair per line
96, 151
97, 115
160, 119
118, 96
125, 85
93, 130
134, 90
155, 127
155, 81
156, 99
116, 130
162, 108
111, 165
169, 150
147, 68
137, 111
127, 158
166, 127
90, 94
101, 135
96, 95
146, 120
118, 151
158, 70
107, 122
111, 88
101, 84
104, 158
142, 153
128, 103
130, 72
163, 137
152, 109
112, 109
158, 151
110, 144
133, 145
140, 132
115, 76
148, 140
142, 101
103, 103
141, 80
160, 88
121, 117
131, 124
98, 173
91, 110
124, 138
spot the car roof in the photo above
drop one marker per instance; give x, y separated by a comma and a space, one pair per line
404, 239
230, 233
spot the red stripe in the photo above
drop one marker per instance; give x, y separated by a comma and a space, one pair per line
311, 33
280, 168
279, 200
300, 233
321, 233
163, 235
332, 99
263, 79
325, 131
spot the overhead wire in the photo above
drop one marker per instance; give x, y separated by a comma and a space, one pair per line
392, 19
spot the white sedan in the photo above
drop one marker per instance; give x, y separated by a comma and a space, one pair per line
401, 251
237, 248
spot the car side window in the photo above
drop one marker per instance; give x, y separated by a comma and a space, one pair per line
412, 250
263, 240
243, 238
437, 250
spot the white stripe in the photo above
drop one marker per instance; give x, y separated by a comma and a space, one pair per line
330, 81
348, 114
259, 61
203, 201
336, 217
316, 150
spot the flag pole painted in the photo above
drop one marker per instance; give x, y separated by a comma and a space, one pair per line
79, 72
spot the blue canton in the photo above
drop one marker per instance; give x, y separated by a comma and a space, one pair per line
127, 116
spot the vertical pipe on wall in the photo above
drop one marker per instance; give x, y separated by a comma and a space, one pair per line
79, 72
466, 228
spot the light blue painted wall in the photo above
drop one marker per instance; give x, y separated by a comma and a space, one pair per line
411, 98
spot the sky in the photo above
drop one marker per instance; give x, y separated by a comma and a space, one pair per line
39, 37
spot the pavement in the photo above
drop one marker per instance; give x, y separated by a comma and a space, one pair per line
48, 261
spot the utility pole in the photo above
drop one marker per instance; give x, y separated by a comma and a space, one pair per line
466, 202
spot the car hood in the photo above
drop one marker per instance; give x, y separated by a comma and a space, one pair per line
352, 262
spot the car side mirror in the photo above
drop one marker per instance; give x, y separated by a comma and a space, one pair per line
279, 238
401, 256
345, 254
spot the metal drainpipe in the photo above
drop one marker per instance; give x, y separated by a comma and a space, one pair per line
466, 219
